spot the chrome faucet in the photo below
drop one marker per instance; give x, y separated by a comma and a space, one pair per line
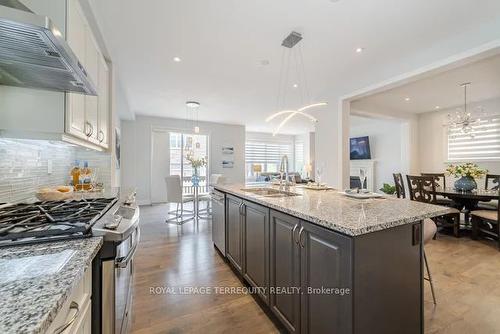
284, 170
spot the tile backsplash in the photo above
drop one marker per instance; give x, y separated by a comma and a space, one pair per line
24, 166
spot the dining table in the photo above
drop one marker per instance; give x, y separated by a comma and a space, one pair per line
467, 201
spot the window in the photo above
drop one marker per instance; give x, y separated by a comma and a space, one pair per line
267, 153
299, 156
485, 145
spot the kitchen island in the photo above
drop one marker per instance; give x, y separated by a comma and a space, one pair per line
325, 263
43, 285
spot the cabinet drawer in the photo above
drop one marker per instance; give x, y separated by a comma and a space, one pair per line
76, 307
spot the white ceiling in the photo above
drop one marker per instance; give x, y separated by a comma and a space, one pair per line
442, 90
221, 43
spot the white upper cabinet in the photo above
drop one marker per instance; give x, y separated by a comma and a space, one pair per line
103, 104
76, 31
92, 60
87, 117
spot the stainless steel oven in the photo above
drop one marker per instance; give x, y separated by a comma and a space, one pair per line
113, 272
117, 276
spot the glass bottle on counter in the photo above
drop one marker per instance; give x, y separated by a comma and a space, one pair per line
75, 174
86, 177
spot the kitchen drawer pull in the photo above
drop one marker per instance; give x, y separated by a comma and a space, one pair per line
72, 306
99, 136
293, 234
300, 237
91, 129
122, 262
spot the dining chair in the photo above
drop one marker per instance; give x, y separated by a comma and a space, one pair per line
495, 182
400, 185
492, 182
440, 183
175, 195
430, 230
486, 223
423, 189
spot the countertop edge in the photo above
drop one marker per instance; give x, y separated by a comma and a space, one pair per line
336, 227
49, 318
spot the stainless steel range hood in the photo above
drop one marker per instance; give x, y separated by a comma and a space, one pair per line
33, 53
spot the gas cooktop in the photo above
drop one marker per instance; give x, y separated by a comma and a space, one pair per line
50, 221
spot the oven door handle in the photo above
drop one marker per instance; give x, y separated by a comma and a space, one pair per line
122, 262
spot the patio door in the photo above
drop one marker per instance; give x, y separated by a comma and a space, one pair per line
169, 153
182, 145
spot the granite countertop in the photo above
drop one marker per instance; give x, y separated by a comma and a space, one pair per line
36, 280
335, 211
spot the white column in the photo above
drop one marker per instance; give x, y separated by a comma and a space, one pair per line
343, 139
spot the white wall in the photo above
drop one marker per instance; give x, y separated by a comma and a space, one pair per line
386, 143
136, 150
432, 140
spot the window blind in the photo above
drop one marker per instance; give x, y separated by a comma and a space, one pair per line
266, 152
299, 155
484, 145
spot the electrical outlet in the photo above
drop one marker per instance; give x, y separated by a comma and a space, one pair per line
49, 166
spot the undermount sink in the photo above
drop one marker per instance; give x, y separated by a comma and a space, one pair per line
270, 192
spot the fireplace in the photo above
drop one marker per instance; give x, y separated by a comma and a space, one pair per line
369, 166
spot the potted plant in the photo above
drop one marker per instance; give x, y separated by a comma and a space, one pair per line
388, 189
196, 163
467, 173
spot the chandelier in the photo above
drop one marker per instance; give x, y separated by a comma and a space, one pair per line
463, 121
292, 57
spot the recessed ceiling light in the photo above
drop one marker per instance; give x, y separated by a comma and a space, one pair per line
407, 99
295, 85
437, 107
192, 104
359, 50
334, 1
177, 59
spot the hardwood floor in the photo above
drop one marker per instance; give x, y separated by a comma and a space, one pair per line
183, 256
466, 275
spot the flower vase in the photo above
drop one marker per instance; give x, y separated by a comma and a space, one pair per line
465, 183
195, 179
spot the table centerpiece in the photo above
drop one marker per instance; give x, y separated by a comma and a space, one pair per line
196, 163
467, 173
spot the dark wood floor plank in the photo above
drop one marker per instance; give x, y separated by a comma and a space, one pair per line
466, 275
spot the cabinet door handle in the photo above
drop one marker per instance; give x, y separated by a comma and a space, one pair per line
293, 233
99, 136
300, 237
72, 306
86, 129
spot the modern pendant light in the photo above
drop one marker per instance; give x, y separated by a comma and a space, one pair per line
193, 105
292, 59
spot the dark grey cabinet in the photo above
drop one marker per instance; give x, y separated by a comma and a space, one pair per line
307, 264
234, 231
256, 247
325, 276
285, 270
321, 281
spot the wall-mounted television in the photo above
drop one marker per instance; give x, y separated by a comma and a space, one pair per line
360, 148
